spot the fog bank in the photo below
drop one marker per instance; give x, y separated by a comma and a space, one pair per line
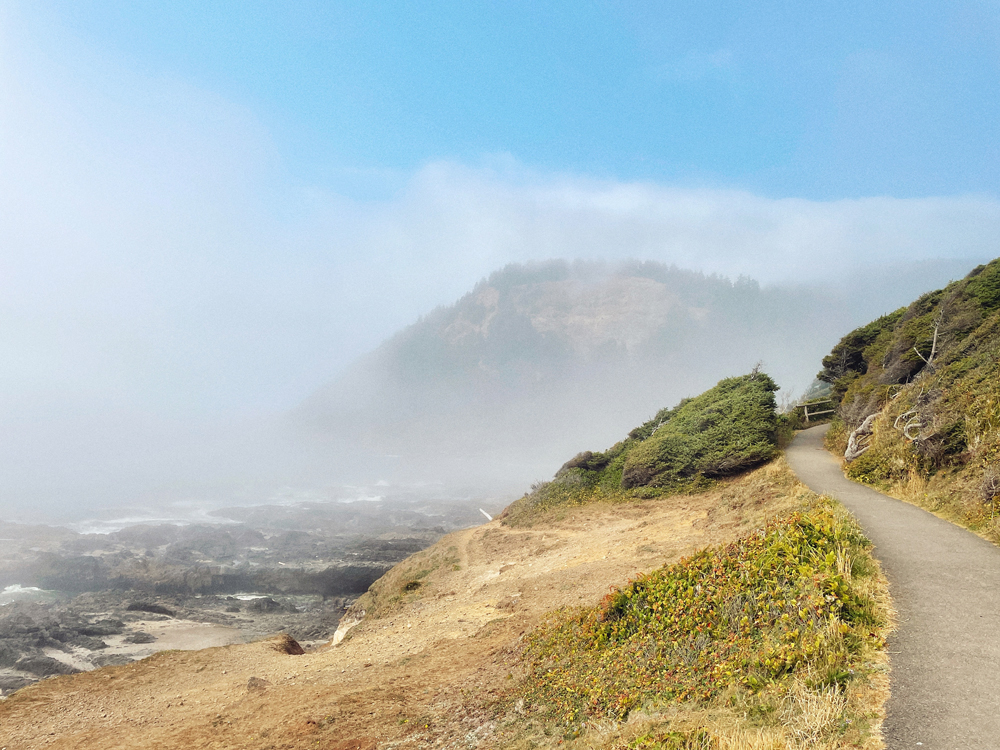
169, 290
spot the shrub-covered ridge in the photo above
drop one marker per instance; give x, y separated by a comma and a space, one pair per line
928, 376
727, 429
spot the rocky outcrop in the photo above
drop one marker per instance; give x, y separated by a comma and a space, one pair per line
44, 666
106, 628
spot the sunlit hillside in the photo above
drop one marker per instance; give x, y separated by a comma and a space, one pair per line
919, 393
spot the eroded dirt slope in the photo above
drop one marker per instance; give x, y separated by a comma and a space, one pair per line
422, 664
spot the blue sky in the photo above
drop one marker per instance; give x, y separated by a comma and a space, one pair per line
217, 206
816, 100
209, 209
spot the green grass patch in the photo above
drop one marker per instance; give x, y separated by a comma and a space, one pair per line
667, 740
733, 623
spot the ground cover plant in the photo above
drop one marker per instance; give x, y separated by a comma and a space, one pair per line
787, 617
927, 379
727, 429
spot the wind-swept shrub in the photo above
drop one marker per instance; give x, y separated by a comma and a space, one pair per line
727, 429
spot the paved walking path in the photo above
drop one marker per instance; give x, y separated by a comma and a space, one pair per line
945, 582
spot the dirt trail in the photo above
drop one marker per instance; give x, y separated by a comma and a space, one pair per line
403, 676
945, 582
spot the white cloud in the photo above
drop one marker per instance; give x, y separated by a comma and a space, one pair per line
155, 253
472, 220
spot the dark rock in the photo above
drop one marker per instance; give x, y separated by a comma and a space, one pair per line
62, 635
257, 684
102, 628
264, 605
43, 666
11, 682
18, 624
9, 654
81, 573
85, 641
285, 644
149, 607
111, 660
139, 636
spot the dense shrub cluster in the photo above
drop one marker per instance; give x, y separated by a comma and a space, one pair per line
869, 363
727, 621
727, 429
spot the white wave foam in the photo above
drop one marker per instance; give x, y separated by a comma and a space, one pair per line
362, 499
18, 593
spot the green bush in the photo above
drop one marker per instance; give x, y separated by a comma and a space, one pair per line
848, 356
872, 467
984, 286
727, 429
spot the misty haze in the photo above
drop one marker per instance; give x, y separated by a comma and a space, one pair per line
355, 323
474, 400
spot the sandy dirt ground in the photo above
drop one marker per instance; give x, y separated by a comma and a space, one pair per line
171, 635
421, 666
181, 635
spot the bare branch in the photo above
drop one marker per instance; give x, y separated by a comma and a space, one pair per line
915, 424
860, 438
938, 321
905, 416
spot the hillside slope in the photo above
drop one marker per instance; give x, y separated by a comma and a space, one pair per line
727, 429
432, 660
919, 391
748, 614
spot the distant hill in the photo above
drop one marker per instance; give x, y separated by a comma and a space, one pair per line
539, 359
919, 393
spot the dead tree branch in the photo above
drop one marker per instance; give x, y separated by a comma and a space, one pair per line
929, 360
860, 438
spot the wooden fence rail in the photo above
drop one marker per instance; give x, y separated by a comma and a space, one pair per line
819, 402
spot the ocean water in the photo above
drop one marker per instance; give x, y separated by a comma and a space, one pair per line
19, 593
175, 516
211, 512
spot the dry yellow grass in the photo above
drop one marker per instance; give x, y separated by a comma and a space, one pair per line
424, 664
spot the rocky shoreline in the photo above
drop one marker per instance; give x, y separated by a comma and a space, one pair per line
87, 631
82, 601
